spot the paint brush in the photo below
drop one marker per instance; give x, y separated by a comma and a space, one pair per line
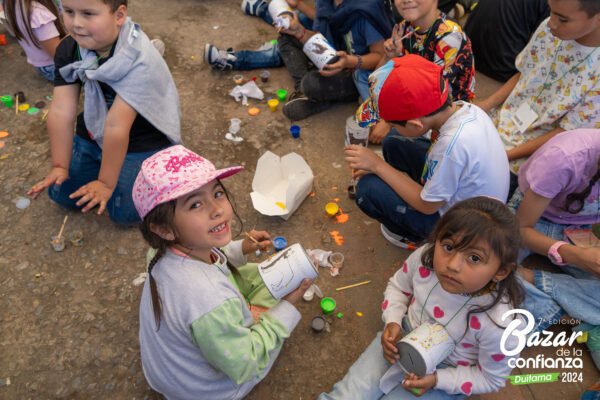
353, 285
251, 238
407, 35
60, 232
17, 104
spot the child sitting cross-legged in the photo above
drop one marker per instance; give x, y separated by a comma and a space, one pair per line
416, 182
355, 28
209, 329
463, 283
130, 109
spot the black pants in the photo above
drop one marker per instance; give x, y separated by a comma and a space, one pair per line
308, 80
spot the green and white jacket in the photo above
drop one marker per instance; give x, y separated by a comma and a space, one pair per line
208, 345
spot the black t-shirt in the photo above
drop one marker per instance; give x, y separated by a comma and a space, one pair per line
499, 30
143, 136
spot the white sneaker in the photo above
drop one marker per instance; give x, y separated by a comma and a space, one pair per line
393, 238
250, 7
221, 59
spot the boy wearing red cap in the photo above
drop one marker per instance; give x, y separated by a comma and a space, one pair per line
415, 184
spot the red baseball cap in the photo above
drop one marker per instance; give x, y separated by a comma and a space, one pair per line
404, 88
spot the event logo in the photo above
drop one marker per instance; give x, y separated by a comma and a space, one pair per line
566, 358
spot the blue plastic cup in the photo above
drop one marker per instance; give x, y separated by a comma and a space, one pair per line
279, 243
295, 131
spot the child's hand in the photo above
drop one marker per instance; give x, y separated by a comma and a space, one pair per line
293, 3
56, 176
295, 29
95, 193
297, 294
362, 158
391, 334
393, 46
412, 381
250, 246
344, 62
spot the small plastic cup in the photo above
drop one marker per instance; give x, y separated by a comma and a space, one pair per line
332, 209
281, 94
273, 104
279, 242
23, 107
238, 79
295, 131
318, 324
58, 243
7, 100
33, 111
328, 305
265, 75
337, 260
76, 238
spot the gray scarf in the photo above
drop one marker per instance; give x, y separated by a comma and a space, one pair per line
138, 74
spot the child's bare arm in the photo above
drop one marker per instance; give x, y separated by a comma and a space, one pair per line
365, 160
61, 119
528, 148
50, 45
368, 61
500, 96
117, 126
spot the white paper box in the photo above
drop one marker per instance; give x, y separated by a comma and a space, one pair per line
280, 184
284, 272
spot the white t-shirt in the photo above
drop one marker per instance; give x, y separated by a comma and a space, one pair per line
467, 160
571, 99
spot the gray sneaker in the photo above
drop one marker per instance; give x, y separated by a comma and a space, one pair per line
302, 107
218, 59
397, 240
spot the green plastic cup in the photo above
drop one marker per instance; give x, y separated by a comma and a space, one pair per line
328, 305
7, 100
282, 94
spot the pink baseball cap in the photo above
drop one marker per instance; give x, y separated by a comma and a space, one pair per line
172, 173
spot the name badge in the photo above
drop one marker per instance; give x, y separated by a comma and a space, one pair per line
524, 117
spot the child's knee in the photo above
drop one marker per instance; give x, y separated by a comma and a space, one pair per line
311, 85
60, 196
365, 188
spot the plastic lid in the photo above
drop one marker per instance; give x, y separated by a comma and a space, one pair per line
327, 305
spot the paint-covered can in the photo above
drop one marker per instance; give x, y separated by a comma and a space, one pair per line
319, 51
424, 348
284, 272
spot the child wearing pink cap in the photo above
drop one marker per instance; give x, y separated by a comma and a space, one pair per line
209, 329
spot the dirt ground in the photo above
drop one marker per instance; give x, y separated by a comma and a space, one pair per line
70, 320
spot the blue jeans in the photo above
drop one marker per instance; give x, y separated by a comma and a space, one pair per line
269, 58
85, 167
255, 59
379, 201
362, 379
574, 292
47, 72
361, 80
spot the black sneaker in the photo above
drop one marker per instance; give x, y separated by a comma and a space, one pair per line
296, 95
302, 107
